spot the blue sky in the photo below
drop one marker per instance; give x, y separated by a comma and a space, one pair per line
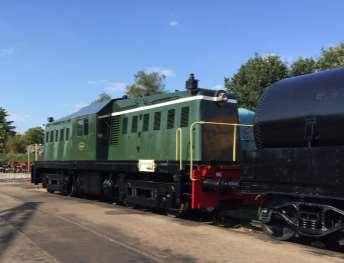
56, 56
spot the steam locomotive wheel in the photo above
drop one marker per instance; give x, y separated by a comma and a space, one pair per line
279, 231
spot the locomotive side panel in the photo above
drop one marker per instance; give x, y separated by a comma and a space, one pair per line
151, 133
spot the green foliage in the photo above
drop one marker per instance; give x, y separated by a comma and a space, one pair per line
16, 144
146, 84
303, 66
254, 76
15, 157
34, 136
102, 98
3, 137
6, 129
260, 72
331, 57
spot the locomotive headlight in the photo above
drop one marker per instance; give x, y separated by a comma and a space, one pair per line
223, 97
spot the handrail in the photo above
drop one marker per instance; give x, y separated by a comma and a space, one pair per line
179, 147
235, 125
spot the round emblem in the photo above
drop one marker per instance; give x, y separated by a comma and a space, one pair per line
82, 146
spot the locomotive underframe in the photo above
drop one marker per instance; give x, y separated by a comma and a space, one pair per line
168, 188
306, 216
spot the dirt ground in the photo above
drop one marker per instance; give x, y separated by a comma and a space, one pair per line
39, 227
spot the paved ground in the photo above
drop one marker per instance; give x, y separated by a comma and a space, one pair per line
39, 227
14, 177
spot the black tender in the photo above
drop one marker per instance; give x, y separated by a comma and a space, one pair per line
299, 162
299, 131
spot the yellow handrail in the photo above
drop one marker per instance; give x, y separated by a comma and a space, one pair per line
179, 147
235, 125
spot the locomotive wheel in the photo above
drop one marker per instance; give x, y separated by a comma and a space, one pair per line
74, 189
110, 189
278, 231
67, 186
333, 242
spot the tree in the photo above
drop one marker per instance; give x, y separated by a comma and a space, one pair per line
3, 137
254, 76
331, 57
34, 135
102, 98
146, 84
6, 128
302, 66
16, 144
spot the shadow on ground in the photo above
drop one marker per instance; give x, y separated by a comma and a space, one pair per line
14, 220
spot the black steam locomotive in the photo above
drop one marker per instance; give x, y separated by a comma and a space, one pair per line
299, 162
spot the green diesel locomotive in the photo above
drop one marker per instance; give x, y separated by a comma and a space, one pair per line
175, 151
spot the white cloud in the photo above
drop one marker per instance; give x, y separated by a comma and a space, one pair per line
173, 23
18, 117
217, 87
168, 73
269, 54
97, 82
288, 59
330, 45
78, 106
115, 89
6, 52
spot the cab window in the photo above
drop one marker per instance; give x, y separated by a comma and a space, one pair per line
82, 127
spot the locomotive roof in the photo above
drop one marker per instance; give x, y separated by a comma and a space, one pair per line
93, 108
130, 103
158, 98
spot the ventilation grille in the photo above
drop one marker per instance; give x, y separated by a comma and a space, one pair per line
184, 120
115, 128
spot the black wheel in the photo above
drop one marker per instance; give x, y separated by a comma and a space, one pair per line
110, 189
67, 186
334, 241
44, 182
74, 190
278, 231
75, 187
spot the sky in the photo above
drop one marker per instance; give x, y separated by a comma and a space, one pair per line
57, 56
